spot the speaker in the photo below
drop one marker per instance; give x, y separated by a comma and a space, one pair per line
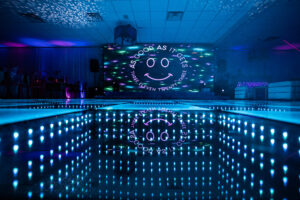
125, 35
94, 65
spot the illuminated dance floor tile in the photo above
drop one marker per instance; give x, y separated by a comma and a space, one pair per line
288, 116
148, 151
17, 115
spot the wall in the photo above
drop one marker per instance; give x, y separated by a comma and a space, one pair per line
69, 63
273, 66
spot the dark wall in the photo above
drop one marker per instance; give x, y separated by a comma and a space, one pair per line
69, 63
262, 47
273, 66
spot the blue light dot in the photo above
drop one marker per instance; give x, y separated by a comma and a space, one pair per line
272, 172
272, 141
30, 142
29, 175
30, 131
29, 194
285, 146
16, 148
272, 131
42, 138
262, 138
15, 184
272, 191
285, 181
285, 169
16, 135
15, 171
285, 135
29, 164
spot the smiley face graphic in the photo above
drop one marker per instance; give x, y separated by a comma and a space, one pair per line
158, 69
164, 136
164, 62
157, 130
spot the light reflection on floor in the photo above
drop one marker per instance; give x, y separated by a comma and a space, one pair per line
155, 153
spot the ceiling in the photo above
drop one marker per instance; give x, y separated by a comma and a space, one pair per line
276, 29
66, 22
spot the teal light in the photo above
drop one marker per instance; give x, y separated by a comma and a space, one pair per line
199, 49
133, 47
15, 184
15, 148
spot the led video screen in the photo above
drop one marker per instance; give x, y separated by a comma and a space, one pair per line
158, 68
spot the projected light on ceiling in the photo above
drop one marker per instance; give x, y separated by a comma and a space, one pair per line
158, 68
75, 13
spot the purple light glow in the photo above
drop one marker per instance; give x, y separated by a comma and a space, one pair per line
252, 84
68, 93
82, 94
14, 44
35, 42
62, 43
292, 45
287, 47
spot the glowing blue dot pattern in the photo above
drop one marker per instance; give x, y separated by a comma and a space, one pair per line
91, 154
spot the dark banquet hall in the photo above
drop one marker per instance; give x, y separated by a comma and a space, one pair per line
150, 99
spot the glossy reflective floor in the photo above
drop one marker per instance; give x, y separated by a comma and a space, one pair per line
149, 150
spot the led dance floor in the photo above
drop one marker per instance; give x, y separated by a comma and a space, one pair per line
149, 150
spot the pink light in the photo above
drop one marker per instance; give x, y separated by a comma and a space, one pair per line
62, 43
291, 45
158, 119
158, 79
14, 44
68, 93
287, 46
